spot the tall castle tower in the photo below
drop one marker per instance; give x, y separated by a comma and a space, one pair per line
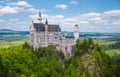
39, 17
76, 33
46, 33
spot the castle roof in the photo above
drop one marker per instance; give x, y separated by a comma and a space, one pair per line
39, 26
51, 27
54, 28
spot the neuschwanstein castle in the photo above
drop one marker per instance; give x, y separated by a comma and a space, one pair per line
50, 34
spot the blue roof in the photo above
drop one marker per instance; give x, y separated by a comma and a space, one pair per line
51, 27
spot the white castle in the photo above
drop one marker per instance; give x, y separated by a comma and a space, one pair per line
42, 35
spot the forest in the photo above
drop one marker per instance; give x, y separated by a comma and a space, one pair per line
87, 60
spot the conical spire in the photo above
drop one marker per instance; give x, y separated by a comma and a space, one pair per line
32, 22
39, 17
46, 22
39, 14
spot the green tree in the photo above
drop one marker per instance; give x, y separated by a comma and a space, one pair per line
3, 70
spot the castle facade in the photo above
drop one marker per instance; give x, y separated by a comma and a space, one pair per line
44, 34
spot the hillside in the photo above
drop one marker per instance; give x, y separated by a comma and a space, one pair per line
5, 30
88, 60
10, 33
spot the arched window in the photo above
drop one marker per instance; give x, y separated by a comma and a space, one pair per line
32, 37
66, 49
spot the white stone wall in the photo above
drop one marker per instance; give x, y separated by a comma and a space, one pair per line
76, 33
65, 45
53, 38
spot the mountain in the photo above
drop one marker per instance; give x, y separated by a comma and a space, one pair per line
8, 32
5, 30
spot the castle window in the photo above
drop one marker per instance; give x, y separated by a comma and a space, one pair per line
55, 37
66, 49
32, 37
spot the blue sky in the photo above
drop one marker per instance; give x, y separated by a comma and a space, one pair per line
90, 15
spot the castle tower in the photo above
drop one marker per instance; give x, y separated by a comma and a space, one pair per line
39, 17
46, 33
76, 33
65, 33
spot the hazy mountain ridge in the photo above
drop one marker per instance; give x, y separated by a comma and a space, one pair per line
4, 30
8, 32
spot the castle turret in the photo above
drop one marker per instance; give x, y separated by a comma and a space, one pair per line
46, 33
76, 33
46, 25
39, 17
46, 22
65, 34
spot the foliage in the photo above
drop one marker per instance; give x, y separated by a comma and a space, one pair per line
115, 45
112, 52
93, 60
88, 60
22, 61
3, 70
116, 59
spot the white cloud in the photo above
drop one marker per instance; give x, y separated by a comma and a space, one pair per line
10, 10
1, 21
95, 19
18, 25
97, 22
112, 13
32, 10
13, 20
84, 22
74, 2
23, 3
61, 6
34, 17
116, 22
43, 10
91, 14
20, 3
59, 16
70, 20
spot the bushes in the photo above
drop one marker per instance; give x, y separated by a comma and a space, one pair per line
3, 69
88, 60
23, 61
93, 60
84, 47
